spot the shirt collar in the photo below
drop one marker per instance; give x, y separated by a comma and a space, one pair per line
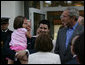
5, 30
74, 56
75, 25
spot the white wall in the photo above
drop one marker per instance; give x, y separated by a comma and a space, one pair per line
56, 28
12, 9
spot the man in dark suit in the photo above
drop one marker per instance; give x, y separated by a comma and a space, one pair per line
5, 32
69, 17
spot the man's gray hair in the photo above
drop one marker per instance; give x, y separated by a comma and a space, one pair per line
73, 12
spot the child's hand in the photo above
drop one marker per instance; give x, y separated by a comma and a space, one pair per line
29, 34
28, 29
29, 26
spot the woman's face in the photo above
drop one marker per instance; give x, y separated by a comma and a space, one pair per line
65, 18
43, 28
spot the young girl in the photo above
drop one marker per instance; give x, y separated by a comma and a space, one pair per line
19, 37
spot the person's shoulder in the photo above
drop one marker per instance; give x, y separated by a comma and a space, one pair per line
55, 57
10, 31
22, 30
80, 28
73, 61
33, 55
53, 54
62, 29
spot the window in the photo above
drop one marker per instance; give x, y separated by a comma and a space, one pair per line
62, 3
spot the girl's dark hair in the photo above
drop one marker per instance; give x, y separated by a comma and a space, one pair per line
18, 22
43, 43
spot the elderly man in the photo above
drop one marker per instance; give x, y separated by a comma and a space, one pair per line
69, 17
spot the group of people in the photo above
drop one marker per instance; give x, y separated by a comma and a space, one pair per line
20, 46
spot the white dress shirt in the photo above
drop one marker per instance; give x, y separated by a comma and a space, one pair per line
44, 58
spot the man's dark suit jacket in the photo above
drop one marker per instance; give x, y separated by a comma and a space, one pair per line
65, 54
73, 61
4, 36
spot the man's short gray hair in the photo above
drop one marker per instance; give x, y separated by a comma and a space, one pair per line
73, 12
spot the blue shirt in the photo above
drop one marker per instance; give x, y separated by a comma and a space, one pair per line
70, 33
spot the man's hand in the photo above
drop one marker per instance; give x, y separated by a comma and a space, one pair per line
20, 54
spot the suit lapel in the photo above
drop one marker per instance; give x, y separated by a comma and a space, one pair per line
64, 40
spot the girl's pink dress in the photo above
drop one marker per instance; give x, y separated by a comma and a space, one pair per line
18, 40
